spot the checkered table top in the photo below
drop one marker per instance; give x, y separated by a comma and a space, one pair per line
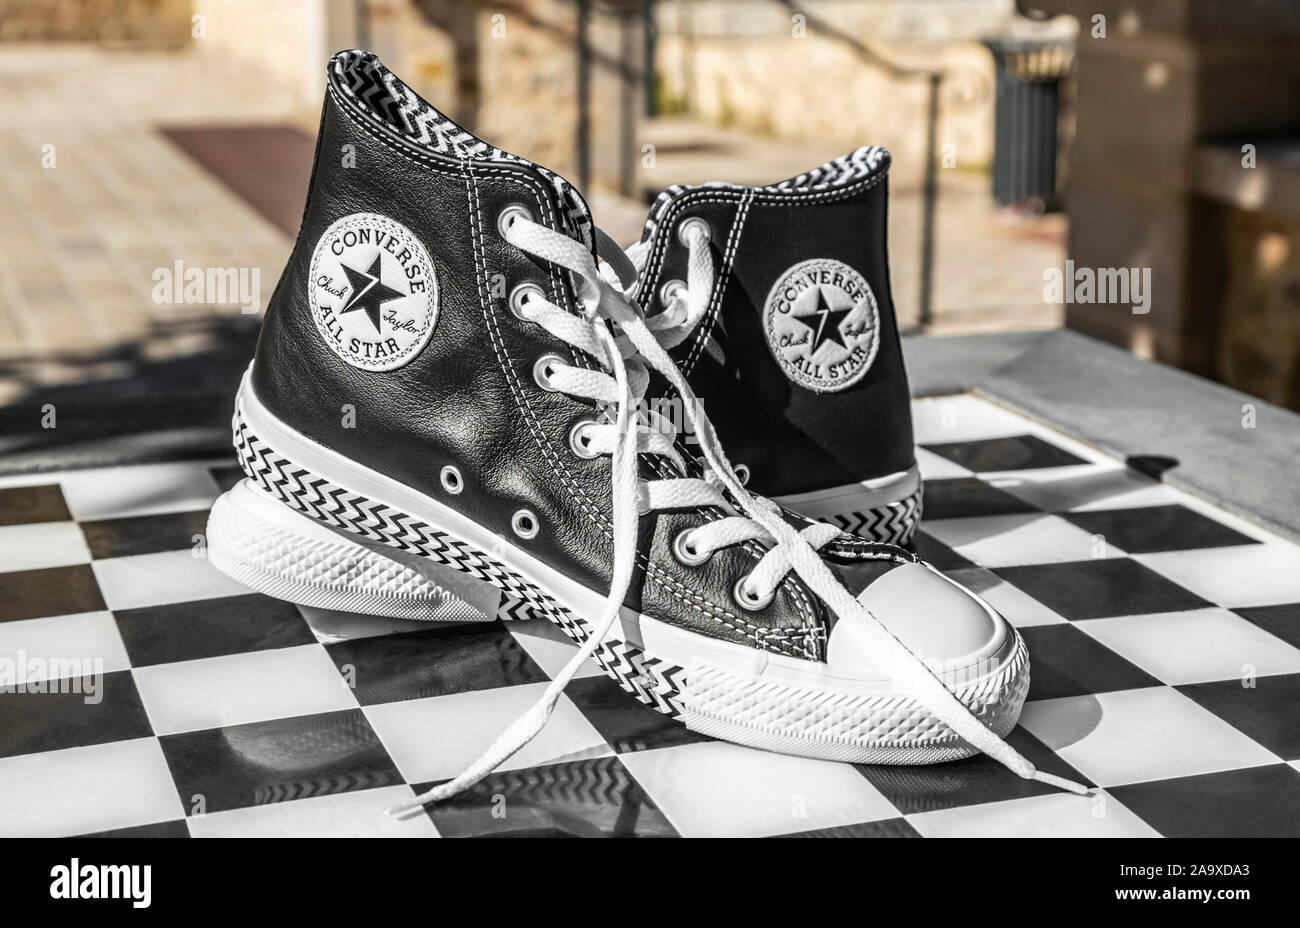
1164, 636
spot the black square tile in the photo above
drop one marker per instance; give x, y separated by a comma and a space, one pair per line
226, 477
937, 553
887, 828
584, 798
172, 829
1066, 662
967, 782
1100, 588
172, 531
1255, 802
1268, 711
1148, 529
434, 662
31, 594
210, 628
625, 723
965, 497
106, 708
23, 505
1282, 621
1017, 452
277, 761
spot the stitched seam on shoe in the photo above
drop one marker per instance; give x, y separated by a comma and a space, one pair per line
671, 585
711, 195
720, 287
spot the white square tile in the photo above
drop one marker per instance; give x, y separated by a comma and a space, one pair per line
87, 789
84, 637
42, 544
155, 579
146, 489
1057, 815
725, 790
438, 737
933, 467
1133, 736
356, 814
1195, 647
1242, 575
238, 688
1019, 539
1084, 486
550, 647
962, 417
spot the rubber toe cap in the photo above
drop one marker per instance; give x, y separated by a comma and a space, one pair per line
954, 631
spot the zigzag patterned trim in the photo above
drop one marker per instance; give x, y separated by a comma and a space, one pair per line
653, 682
843, 171
892, 524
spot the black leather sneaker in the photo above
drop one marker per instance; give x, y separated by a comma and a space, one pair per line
776, 304
444, 371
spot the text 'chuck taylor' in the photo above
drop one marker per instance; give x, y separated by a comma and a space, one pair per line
449, 295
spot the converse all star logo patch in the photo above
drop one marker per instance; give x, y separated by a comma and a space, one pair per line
822, 324
372, 291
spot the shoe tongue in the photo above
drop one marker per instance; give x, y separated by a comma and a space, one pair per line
381, 94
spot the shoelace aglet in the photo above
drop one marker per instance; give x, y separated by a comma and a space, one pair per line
1052, 779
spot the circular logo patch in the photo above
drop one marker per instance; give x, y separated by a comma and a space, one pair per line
372, 291
822, 324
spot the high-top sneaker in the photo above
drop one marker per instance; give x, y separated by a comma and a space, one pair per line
443, 370
775, 303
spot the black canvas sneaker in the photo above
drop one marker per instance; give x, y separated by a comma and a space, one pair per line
776, 305
445, 371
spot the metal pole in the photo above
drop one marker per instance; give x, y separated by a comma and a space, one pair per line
582, 133
929, 193
648, 37
627, 104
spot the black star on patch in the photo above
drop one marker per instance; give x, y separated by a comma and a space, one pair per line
824, 323
369, 292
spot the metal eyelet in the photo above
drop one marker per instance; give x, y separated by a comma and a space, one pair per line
520, 296
452, 481
575, 440
508, 216
683, 552
742, 474
747, 601
693, 222
525, 524
668, 289
540, 368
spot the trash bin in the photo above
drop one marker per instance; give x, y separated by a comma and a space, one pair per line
1028, 75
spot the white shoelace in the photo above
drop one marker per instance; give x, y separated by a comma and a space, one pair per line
620, 386
685, 305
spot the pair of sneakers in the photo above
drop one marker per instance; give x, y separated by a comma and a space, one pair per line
460, 379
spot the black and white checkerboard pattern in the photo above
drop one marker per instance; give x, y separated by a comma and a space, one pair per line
1165, 643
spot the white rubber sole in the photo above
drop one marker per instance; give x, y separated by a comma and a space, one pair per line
741, 694
270, 548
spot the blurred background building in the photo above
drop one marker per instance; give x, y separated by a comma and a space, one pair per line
1156, 136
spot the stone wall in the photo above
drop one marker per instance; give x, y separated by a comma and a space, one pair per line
146, 23
839, 73
1258, 344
